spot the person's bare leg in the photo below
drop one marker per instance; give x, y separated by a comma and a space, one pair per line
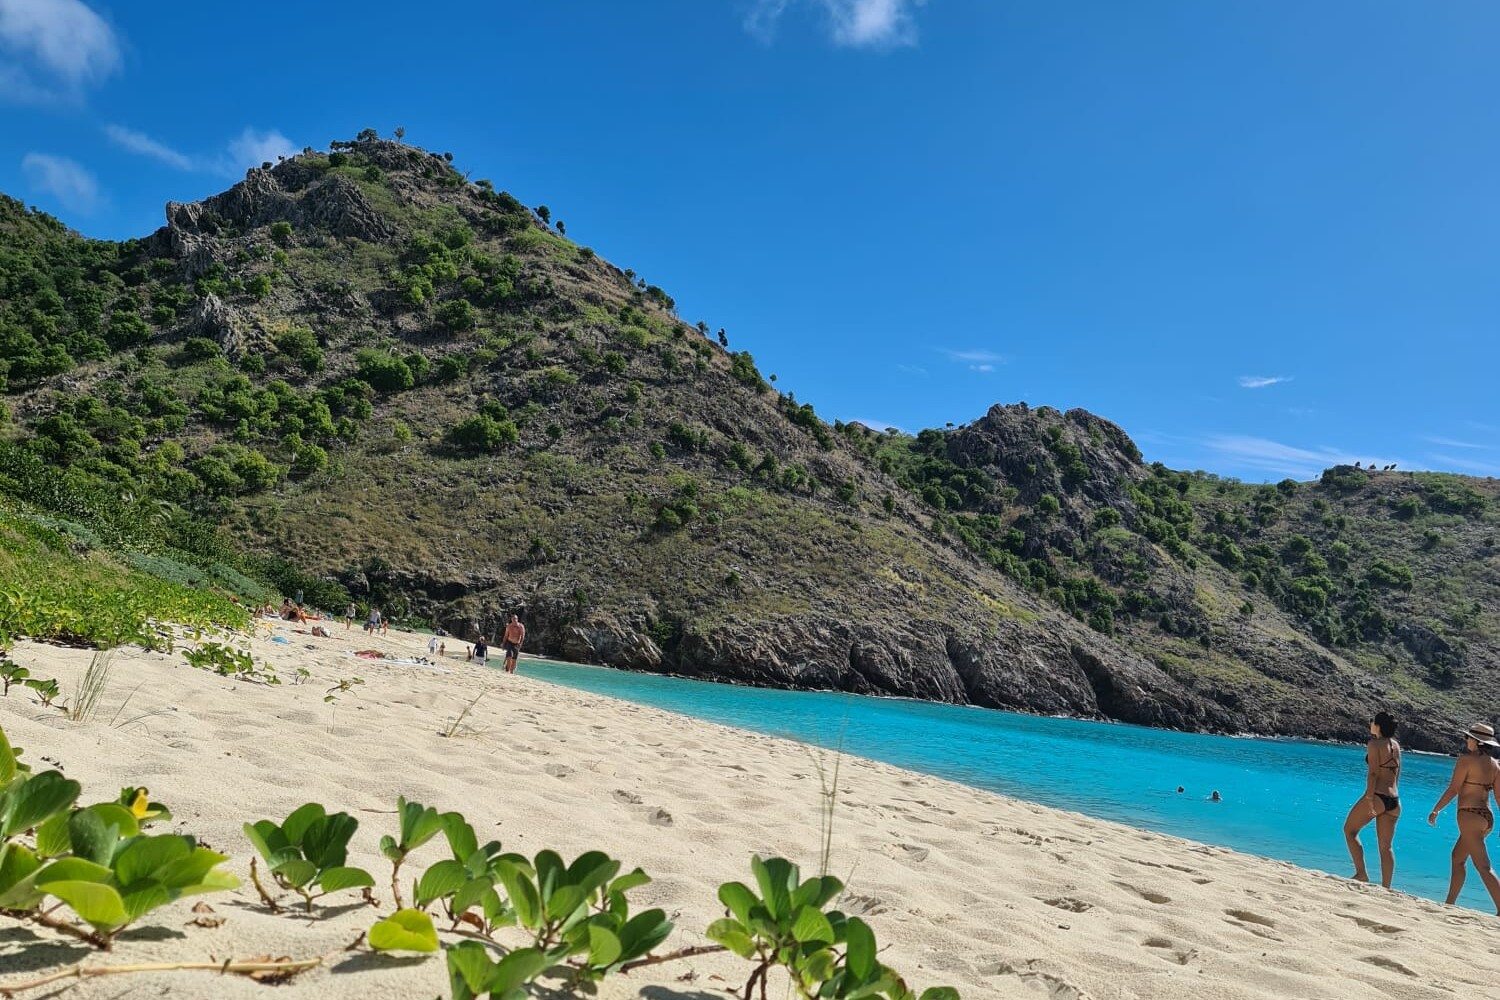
1358, 817
1385, 834
1460, 859
1481, 858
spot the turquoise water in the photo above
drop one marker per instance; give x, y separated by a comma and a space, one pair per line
1283, 799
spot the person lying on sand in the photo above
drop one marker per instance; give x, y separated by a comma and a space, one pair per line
319, 630
1381, 801
1474, 779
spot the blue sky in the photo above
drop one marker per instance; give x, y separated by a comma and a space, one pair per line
1261, 236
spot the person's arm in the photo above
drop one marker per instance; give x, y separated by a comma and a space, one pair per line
521, 638
1448, 794
1371, 768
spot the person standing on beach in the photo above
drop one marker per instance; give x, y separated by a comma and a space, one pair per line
1474, 779
515, 634
349, 612
1381, 801
482, 652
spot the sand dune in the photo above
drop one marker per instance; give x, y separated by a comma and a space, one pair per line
997, 897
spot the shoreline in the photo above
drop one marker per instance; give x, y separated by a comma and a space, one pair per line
966, 887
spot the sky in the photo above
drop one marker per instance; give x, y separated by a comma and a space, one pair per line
1260, 235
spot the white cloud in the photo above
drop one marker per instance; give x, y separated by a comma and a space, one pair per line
987, 359
251, 148
981, 368
911, 369
1288, 460
1451, 443
1490, 469
878, 24
53, 49
73, 186
140, 142
1261, 381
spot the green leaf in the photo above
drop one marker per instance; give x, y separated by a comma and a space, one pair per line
194, 870
295, 827
404, 930
732, 935
816, 892
267, 838
460, 835
604, 947
52, 840
114, 814
550, 872
776, 877
860, 949
565, 900
340, 878
940, 993
418, 824
630, 880
297, 872
818, 966
143, 856
143, 897
592, 870
738, 898
8, 766
811, 925
91, 838
443, 879
469, 970
326, 841
522, 893
517, 969
643, 932
389, 849
17, 864
97, 903
35, 799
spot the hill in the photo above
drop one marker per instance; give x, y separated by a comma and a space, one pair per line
358, 374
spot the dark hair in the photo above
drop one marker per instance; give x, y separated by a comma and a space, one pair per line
1386, 723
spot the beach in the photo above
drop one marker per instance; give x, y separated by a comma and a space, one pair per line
994, 896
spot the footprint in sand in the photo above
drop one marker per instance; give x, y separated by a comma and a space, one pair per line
1070, 904
910, 851
1253, 922
1042, 983
659, 817
558, 770
1164, 944
862, 906
1372, 926
1386, 963
1146, 894
628, 798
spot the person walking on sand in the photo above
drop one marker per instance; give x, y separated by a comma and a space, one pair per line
374, 622
1381, 801
482, 652
349, 612
515, 634
1474, 779
432, 645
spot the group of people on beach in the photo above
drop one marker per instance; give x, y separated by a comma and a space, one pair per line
1476, 779
510, 644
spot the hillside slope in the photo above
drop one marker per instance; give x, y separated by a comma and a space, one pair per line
423, 393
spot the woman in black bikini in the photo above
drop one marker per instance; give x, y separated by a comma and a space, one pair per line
1473, 782
1381, 801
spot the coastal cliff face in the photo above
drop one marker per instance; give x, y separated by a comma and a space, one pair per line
423, 394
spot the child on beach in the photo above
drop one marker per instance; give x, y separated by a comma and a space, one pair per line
482, 652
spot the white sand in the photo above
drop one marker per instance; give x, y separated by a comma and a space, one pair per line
997, 897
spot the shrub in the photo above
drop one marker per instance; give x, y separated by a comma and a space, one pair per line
458, 314
385, 372
301, 345
483, 433
281, 232
1384, 573
306, 853
1047, 505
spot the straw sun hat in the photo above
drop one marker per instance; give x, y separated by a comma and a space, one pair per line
1482, 732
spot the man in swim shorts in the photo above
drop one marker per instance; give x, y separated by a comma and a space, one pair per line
515, 634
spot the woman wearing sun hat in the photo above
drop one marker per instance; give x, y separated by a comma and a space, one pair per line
1474, 779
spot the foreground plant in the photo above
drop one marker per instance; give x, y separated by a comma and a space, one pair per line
306, 854
826, 954
419, 824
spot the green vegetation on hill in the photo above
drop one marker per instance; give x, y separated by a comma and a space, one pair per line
358, 374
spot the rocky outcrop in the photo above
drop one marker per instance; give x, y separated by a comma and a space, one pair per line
213, 319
